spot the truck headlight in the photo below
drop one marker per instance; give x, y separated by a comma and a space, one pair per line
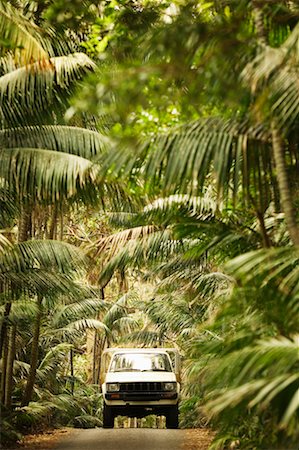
169, 386
112, 387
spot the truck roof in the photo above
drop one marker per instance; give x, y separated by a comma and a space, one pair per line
140, 350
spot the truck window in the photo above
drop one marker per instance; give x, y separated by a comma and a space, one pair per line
140, 362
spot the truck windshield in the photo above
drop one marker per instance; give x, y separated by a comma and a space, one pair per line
140, 362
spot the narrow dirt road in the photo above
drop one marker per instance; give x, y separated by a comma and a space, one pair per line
133, 439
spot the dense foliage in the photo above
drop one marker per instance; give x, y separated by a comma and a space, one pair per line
155, 203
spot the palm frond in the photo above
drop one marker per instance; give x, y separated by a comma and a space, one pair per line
49, 403
27, 91
46, 254
122, 219
53, 358
22, 310
146, 338
124, 325
275, 70
205, 285
44, 267
260, 393
185, 157
46, 174
84, 324
202, 207
21, 367
5, 244
9, 208
22, 36
43, 282
36, 410
279, 266
154, 247
161, 212
72, 311
112, 244
245, 375
273, 356
68, 139
118, 309
171, 313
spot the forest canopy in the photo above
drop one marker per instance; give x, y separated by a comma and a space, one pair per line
149, 197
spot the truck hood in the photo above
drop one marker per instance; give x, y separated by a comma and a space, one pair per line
127, 377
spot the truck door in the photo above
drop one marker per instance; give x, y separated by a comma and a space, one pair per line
176, 362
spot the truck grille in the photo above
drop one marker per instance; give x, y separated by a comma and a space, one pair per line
141, 387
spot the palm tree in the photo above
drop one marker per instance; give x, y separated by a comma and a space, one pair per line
183, 230
273, 70
65, 321
237, 151
33, 268
40, 160
118, 321
251, 157
34, 95
248, 365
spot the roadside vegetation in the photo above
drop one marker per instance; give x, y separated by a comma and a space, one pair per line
149, 196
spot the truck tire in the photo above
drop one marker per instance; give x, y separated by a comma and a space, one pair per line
172, 418
108, 417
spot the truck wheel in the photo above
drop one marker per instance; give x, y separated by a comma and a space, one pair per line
172, 418
108, 417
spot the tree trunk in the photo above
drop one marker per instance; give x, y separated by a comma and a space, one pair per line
53, 225
266, 239
10, 365
95, 352
24, 224
101, 348
283, 184
4, 326
72, 370
89, 354
24, 233
102, 344
259, 23
122, 281
4, 366
95, 345
61, 224
34, 355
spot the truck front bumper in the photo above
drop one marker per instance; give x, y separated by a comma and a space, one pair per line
141, 396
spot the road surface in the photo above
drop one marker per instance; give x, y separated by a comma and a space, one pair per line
129, 439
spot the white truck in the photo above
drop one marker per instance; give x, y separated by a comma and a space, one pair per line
137, 382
